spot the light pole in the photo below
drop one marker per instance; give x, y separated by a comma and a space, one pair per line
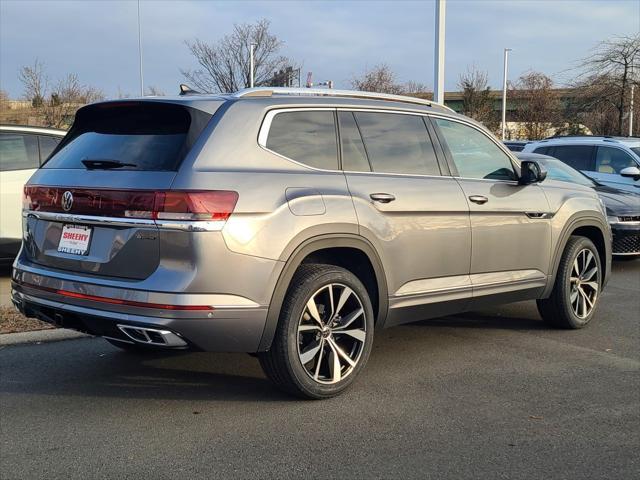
633, 87
140, 52
251, 66
438, 68
504, 93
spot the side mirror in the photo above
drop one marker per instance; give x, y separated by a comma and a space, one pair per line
531, 172
633, 172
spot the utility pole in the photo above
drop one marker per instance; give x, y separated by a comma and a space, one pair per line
633, 87
251, 65
504, 93
140, 52
438, 82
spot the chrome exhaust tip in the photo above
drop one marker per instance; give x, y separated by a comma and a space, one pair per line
152, 336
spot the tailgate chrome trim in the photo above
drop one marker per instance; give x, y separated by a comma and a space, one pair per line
90, 219
184, 225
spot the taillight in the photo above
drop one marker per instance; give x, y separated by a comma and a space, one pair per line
215, 205
210, 205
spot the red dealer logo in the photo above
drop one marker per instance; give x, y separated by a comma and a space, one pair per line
75, 236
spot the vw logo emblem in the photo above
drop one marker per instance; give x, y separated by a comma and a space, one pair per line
67, 201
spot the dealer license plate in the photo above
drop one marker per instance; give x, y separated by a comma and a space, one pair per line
75, 239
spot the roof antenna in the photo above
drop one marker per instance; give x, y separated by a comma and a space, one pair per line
187, 90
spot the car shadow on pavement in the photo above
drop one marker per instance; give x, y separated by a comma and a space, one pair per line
86, 367
494, 319
93, 368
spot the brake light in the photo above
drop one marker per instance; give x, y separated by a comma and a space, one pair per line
216, 205
210, 205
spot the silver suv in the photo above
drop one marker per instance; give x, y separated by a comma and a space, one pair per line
612, 161
293, 224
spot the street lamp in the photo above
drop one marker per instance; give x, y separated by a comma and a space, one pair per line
251, 65
140, 52
438, 83
633, 87
504, 93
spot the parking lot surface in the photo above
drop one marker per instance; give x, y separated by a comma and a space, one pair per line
489, 394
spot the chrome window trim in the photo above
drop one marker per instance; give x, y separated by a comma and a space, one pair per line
265, 127
263, 135
184, 225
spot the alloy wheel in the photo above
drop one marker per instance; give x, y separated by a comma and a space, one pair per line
584, 283
331, 333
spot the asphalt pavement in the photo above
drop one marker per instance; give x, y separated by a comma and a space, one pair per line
490, 394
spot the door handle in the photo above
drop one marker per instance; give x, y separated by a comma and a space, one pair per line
479, 199
382, 197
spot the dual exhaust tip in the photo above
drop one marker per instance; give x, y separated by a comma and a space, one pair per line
152, 336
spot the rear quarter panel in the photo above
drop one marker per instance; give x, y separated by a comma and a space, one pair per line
281, 203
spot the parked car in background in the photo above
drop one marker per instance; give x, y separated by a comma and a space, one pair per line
515, 145
293, 223
623, 208
22, 150
613, 161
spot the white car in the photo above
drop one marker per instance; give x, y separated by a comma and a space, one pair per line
612, 161
22, 151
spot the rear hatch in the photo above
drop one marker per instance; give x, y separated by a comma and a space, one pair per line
91, 205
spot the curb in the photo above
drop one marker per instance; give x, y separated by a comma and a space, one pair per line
40, 336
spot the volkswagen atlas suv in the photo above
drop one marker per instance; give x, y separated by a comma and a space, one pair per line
294, 224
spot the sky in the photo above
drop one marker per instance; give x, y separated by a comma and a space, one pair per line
336, 40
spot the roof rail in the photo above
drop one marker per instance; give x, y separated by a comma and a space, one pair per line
270, 91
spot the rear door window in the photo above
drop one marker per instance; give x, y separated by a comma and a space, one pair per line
308, 137
18, 151
136, 135
613, 160
579, 157
397, 143
47, 145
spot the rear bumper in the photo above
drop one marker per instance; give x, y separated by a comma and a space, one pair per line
231, 328
626, 238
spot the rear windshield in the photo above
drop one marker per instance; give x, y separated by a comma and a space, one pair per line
130, 136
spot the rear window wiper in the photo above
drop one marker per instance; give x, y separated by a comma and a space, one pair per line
105, 164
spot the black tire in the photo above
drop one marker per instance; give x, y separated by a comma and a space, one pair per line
283, 362
558, 309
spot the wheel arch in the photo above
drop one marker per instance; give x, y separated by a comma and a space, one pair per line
591, 228
325, 249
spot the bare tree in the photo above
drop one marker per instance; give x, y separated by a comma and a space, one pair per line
224, 65
417, 89
155, 91
67, 95
606, 79
55, 106
477, 101
379, 79
538, 104
34, 81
